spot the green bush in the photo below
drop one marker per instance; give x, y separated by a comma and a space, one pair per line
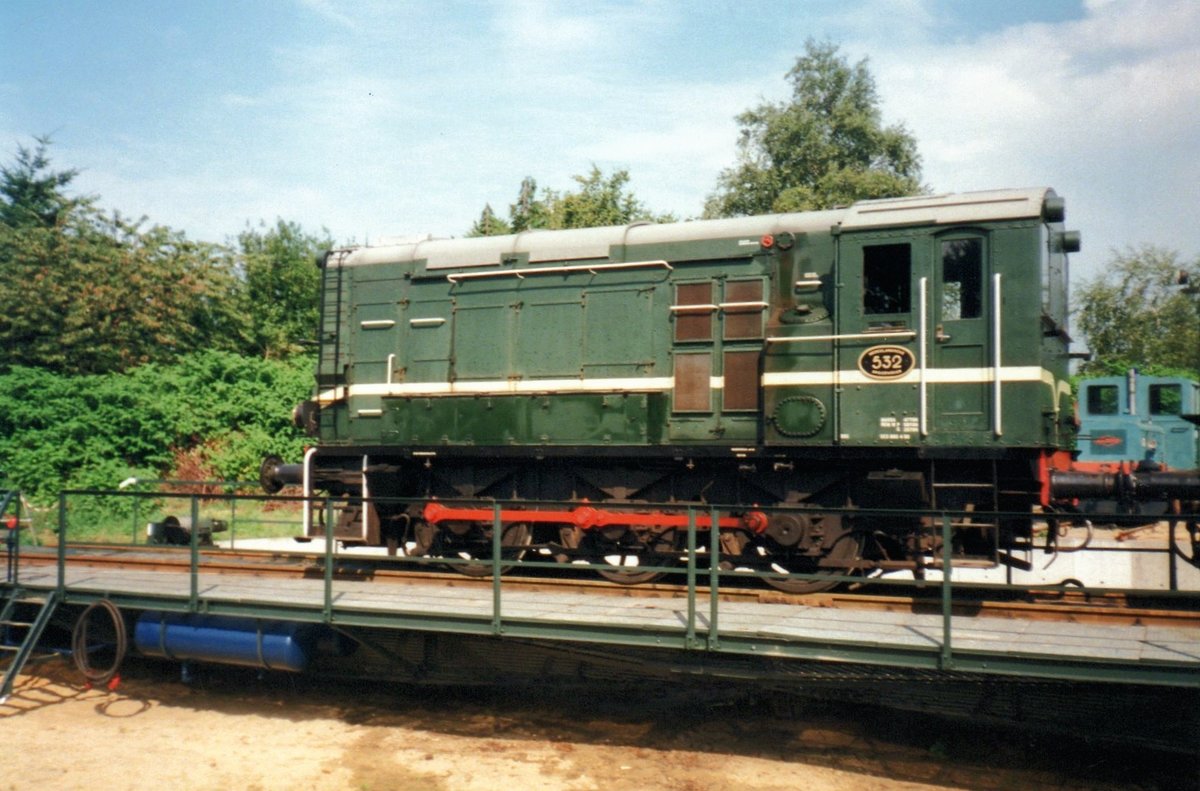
220, 411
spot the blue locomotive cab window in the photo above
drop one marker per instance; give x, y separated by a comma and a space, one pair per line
1166, 400
887, 279
962, 279
1102, 400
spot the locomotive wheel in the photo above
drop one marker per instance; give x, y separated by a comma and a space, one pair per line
804, 551
625, 551
472, 541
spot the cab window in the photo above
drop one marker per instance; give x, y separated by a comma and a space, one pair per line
1166, 400
1102, 400
962, 279
887, 279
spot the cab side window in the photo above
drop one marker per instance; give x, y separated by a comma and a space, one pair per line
887, 279
1102, 400
1166, 400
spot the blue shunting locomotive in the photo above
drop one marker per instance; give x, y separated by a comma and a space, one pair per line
1147, 420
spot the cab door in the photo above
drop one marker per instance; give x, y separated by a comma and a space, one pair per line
877, 343
960, 374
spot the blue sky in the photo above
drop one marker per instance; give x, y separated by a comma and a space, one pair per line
375, 118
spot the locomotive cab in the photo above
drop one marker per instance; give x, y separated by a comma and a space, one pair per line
927, 342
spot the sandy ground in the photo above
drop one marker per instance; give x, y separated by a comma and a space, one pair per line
232, 731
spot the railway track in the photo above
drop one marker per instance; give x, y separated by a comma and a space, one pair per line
1039, 603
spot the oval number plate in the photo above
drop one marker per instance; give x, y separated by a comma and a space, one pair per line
886, 362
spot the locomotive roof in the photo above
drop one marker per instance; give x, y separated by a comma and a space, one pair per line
595, 243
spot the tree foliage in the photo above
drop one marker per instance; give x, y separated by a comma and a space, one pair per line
599, 201
99, 293
1136, 315
825, 147
489, 224
84, 291
281, 286
30, 193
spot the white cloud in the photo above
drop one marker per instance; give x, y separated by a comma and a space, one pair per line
1104, 108
539, 32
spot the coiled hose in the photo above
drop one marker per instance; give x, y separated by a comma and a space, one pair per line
79, 642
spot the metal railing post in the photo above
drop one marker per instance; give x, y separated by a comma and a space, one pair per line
714, 581
12, 543
233, 521
1172, 569
12, 539
62, 543
194, 594
690, 640
947, 657
497, 530
16, 534
327, 603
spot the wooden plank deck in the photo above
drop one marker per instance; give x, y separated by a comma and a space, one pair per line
667, 618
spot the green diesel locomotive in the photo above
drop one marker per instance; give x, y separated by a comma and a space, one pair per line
906, 354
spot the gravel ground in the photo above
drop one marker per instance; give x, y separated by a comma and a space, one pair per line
229, 729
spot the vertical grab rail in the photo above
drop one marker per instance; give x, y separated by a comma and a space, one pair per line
307, 491
923, 351
999, 429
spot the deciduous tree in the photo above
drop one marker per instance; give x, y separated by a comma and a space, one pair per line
827, 146
83, 291
98, 293
599, 200
281, 286
1136, 314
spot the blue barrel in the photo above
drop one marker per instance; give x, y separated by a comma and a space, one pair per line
272, 645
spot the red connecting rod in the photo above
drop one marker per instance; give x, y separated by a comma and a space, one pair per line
588, 518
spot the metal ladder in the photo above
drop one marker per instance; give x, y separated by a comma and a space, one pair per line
982, 496
334, 308
19, 654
